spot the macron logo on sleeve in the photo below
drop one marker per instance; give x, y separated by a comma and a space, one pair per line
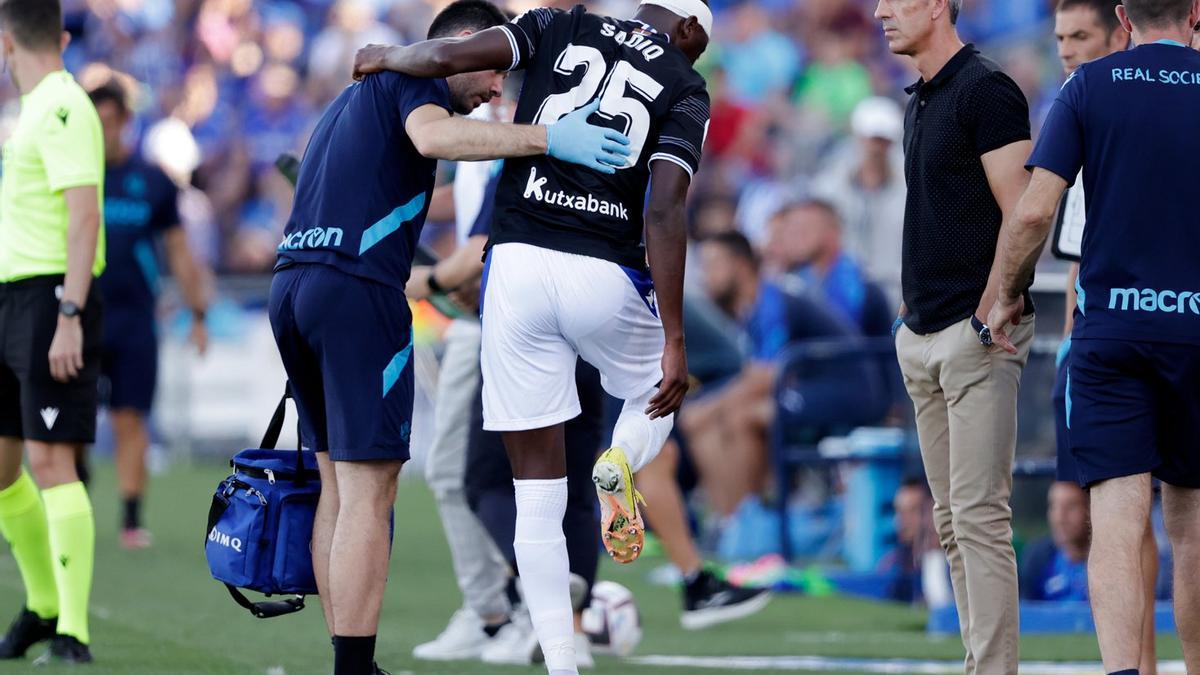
1150, 300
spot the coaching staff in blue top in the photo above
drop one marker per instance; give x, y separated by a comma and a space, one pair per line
338, 310
966, 138
1131, 122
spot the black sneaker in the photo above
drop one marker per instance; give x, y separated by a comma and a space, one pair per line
708, 601
26, 630
65, 649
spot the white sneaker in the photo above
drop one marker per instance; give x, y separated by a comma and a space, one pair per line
583, 651
462, 639
516, 644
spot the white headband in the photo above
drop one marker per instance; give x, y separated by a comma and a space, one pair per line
686, 8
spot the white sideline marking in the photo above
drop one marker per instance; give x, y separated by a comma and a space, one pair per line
823, 664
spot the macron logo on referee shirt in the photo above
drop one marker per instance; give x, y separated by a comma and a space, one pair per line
49, 416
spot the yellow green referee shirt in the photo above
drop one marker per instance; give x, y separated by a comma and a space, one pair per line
57, 144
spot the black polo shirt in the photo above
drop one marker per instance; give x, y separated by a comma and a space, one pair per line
952, 221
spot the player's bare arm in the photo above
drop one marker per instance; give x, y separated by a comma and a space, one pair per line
1020, 245
1007, 177
666, 248
439, 135
486, 50
83, 230
193, 280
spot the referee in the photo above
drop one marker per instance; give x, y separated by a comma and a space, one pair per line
966, 138
51, 247
1129, 122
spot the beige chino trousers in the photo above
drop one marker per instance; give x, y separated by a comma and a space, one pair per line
965, 397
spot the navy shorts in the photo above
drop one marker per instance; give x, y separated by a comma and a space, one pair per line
346, 343
1065, 469
1134, 407
129, 365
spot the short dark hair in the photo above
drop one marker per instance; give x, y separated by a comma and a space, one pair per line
1106, 11
472, 15
111, 92
737, 244
34, 24
1157, 13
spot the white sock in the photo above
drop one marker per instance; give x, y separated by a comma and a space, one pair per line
639, 436
541, 552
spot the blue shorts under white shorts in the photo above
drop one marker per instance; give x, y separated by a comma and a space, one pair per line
346, 343
1134, 407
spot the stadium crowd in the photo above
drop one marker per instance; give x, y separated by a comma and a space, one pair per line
224, 86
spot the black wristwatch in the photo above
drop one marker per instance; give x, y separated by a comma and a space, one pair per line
985, 333
69, 309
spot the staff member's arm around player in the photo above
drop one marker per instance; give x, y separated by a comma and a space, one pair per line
51, 247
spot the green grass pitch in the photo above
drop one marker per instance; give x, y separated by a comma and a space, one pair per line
158, 611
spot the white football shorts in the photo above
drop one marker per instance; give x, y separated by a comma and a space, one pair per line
541, 310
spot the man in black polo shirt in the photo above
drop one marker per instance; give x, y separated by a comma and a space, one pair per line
966, 138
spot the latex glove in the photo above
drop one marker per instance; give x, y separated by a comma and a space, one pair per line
572, 139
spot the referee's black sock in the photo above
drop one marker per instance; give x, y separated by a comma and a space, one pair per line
1127, 671
133, 513
353, 655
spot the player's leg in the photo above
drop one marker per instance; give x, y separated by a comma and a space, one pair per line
131, 367
72, 530
1178, 409
1120, 513
528, 393
1181, 512
23, 522
1114, 441
324, 523
23, 525
360, 548
933, 432
1148, 665
306, 385
58, 418
607, 312
361, 335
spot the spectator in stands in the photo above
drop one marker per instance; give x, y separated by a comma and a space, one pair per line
726, 431
805, 240
1055, 568
915, 536
864, 182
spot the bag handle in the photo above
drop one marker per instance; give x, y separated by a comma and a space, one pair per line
271, 437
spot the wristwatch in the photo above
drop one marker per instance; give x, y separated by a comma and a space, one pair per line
432, 282
69, 309
985, 333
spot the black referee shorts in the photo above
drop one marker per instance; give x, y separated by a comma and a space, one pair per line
33, 405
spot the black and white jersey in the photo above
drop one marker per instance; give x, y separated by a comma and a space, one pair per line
648, 90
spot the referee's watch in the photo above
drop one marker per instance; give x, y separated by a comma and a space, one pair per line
69, 309
985, 333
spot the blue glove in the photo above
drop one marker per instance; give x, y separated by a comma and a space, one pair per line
572, 139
